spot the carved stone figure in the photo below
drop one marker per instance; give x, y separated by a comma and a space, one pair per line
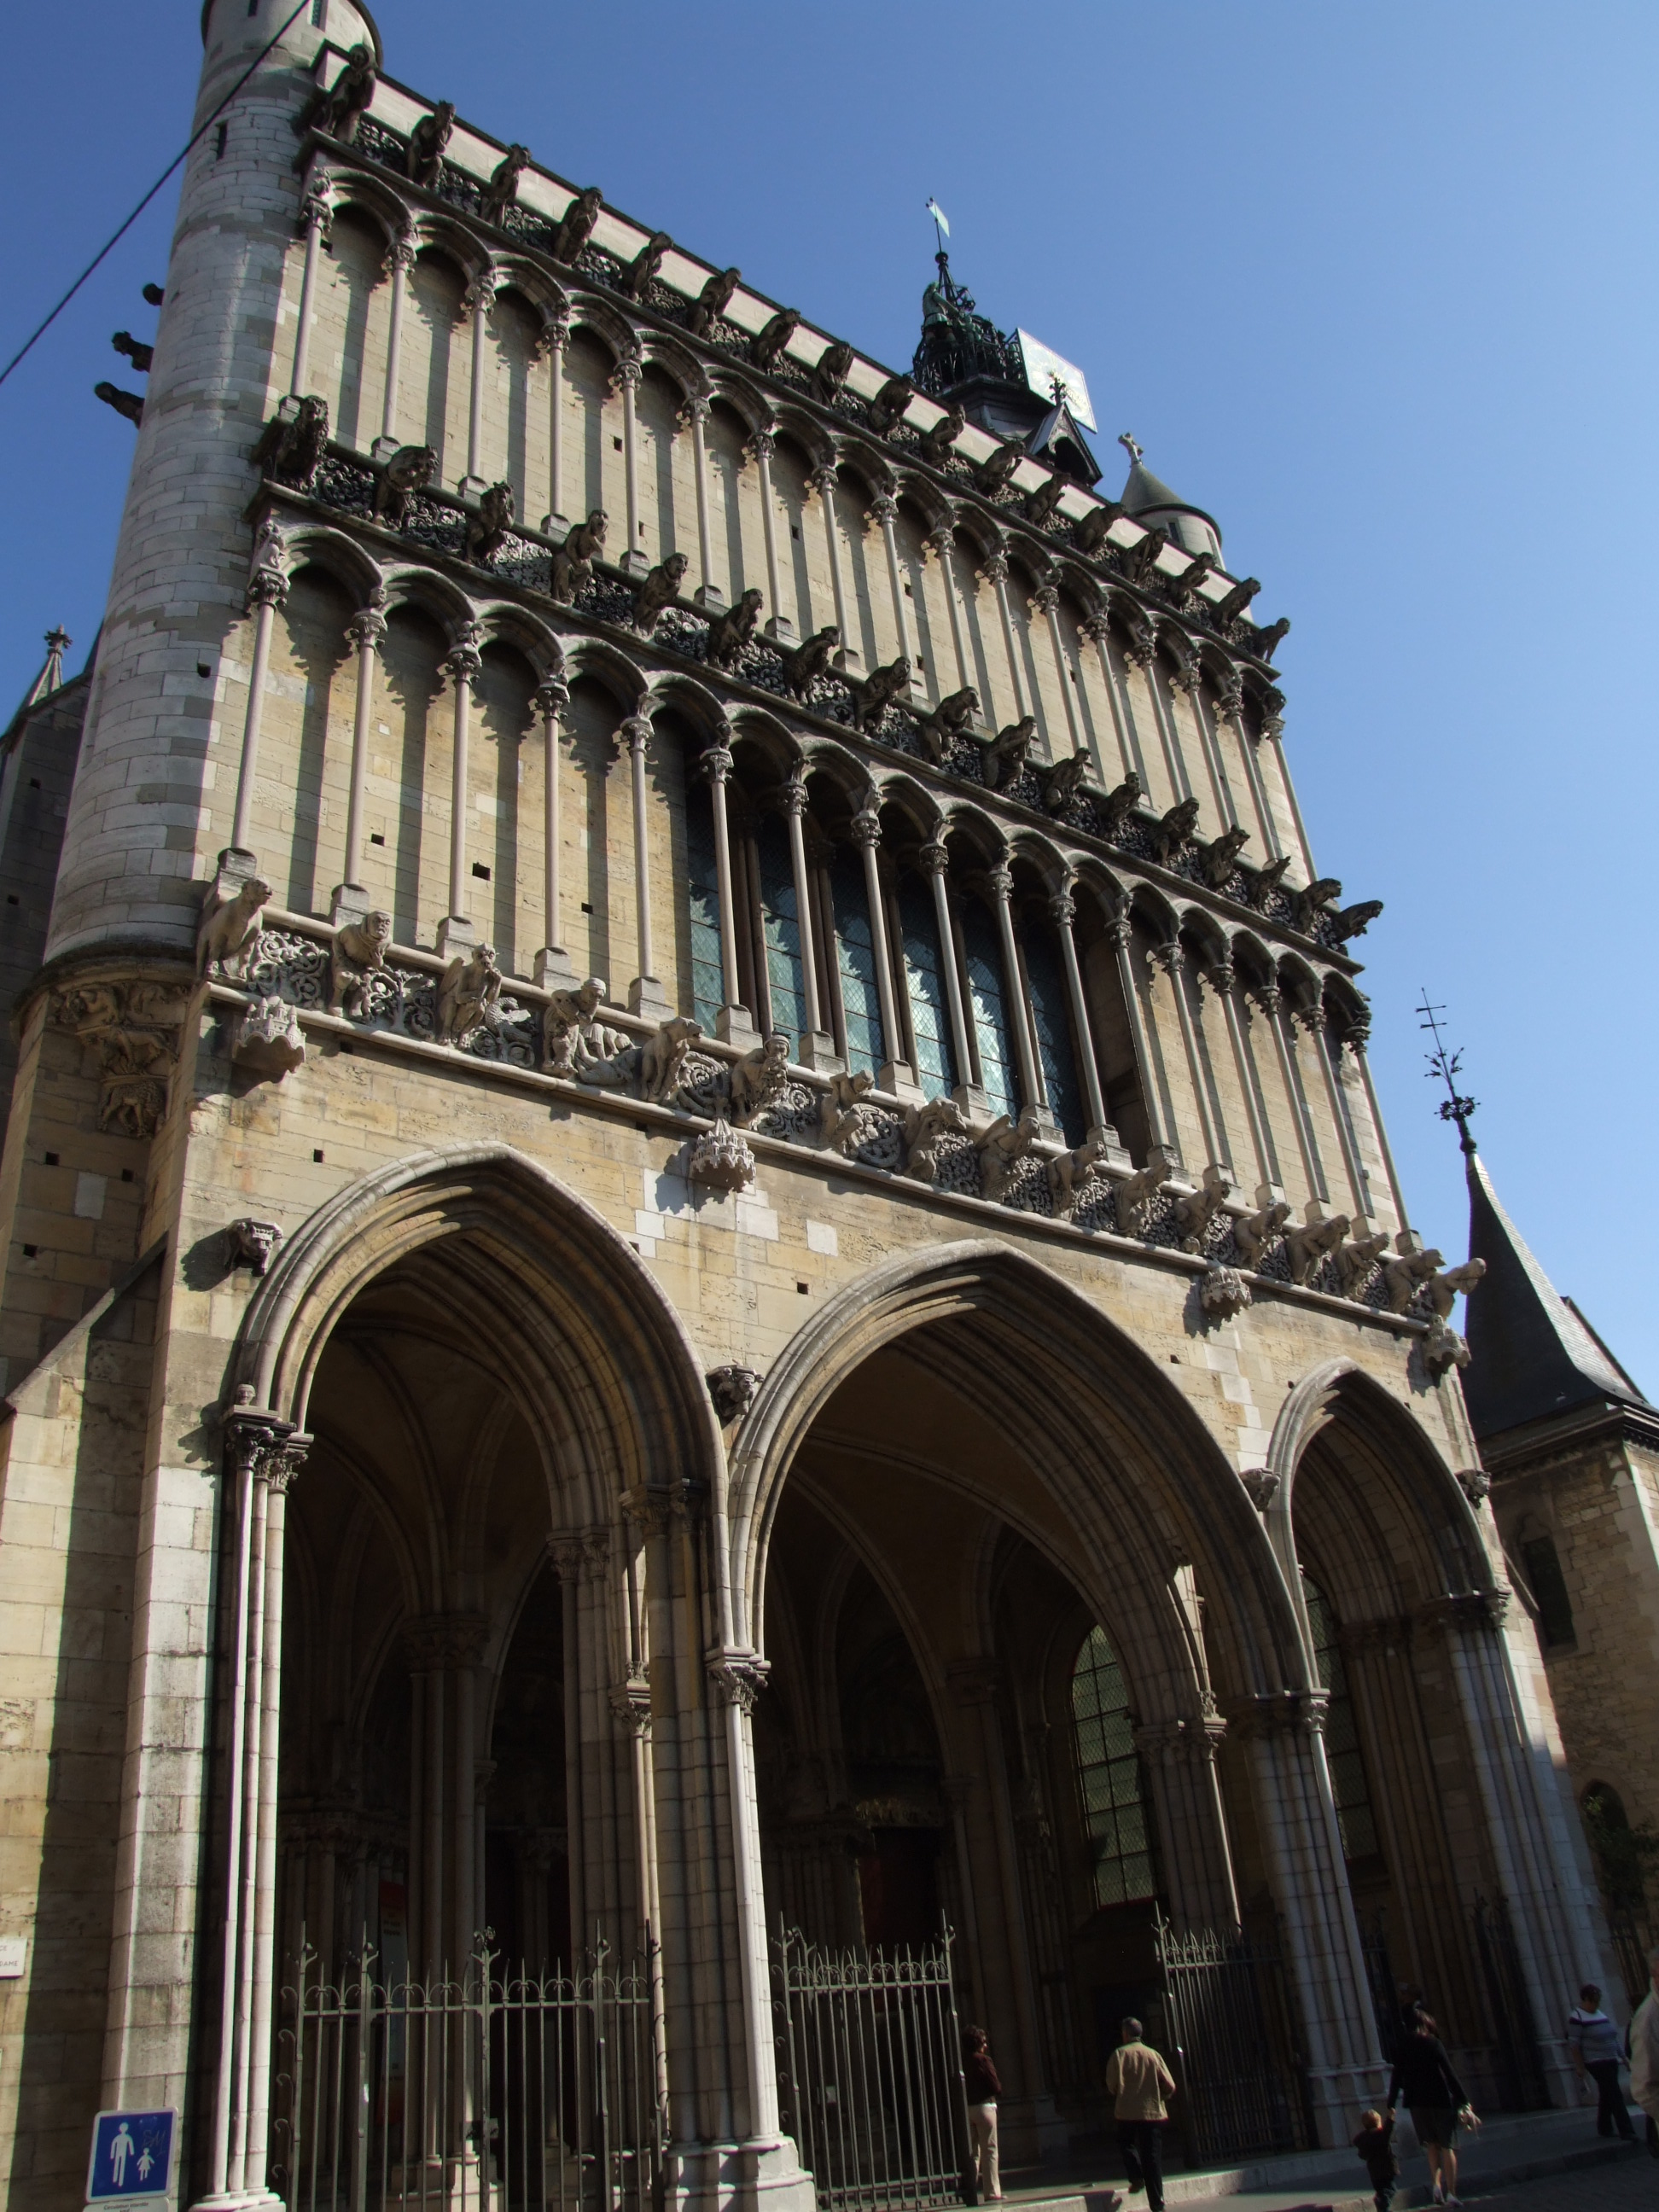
938, 443
999, 1147
844, 1119
1062, 781
886, 409
1141, 559
1440, 1292
250, 1243
734, 630
1475, 1484
1260, 1484
1218, 861
809, 660
712, 302
133, 1029
757, 1080
409, 471
577, 227
1264, 643
641, 273
829, 373
267, 1040
1119, 804
1194, 1213
663, 1057
230, 925
1443, 1348
270, 554
769, 345
1069, 1172
1185, 586
1356, 1258
924, 1126
427, 143
1222, 1292
358, 951
574, 1042
1403, 1276
721, 1158
1090, 532
873, 693
486, 530
1254, 1232
498, 195
992, 473
1044, 504
733, 1390
1003, 760
1225, 613
1175, 832
1132, 1198
1309, 1243
1311, 904
953, 718
1265, 881
129, 403
291, 451
140, 354
1354, 920
336, 111
659, 592
467, 994
573, 563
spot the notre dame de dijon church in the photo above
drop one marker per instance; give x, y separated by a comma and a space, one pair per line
712, 1357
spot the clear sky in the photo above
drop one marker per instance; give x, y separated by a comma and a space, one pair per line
1374, 285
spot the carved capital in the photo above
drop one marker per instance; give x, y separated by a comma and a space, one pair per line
317, 209
1268, 997
442, 1643
762, 445
635, 732
1095, 629
1046, 600
792, 797
739, 1677
1166, 959
1187, 1742
630, 1703
884, 508
823, 480
715, 763
401, 253
465, 660
1062, 909
695, 408
567, 1554
479, 293
933, 857
279, 1466
552, 697
261, 1444
1278, 1713
865, 827
367, 628
1001, 881
134, 1028
1465, 1613
975, 1681
995, 568
266, 588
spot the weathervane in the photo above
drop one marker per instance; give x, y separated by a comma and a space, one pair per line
941, 228
1126, 439
1443, 1067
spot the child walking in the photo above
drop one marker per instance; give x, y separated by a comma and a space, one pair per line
1375, 2143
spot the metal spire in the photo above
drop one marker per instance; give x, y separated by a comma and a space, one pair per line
1443, 1067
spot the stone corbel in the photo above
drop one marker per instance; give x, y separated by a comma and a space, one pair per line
260, 1443
630, 1703
739, 1677
250, 1243
134, 1028
732, 1389
1475, 1484
1263, 1485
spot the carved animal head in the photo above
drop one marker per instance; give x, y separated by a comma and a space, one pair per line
312, 419
674, 569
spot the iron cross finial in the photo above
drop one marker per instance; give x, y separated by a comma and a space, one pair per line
1127, 441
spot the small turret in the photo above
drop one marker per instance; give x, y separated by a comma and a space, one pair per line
963, 360
1151, 502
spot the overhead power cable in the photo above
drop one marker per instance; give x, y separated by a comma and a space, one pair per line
115, 237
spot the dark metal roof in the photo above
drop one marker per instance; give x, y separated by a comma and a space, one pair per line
1531, 1356
1144, 494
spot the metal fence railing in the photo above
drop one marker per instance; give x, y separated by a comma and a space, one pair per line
1240, 2074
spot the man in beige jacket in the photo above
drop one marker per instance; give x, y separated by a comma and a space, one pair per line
1645, 2053
1137, 2083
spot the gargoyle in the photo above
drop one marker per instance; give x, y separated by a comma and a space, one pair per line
659, 592
1044, 504
1141, 559
768, 346
830, 373
467, 994
809, 660
336, 112
756, 1081
1254, 1232
1194, 1213
1185, 586
1062, 781
1067, 1175
843, 1116
734, 630
937, 443
487, 529
1175, 832
663, 1056
573, 563
1354, 920
1000, 1146
1119, 804
140, 354
1132, 1199
1265, 881
1356, 1258
924, 1126
1440, 1292
1443, 1348
886, 409
953, 718
1226, 612
409, 471
1217, 859
129, 403
873, 693
992, 474
358, 952
574, 1042
1311, 904
1091, 531
637, 278
426, 141
228, 927
291, 451
1003, 760
712, 302
498, 195
577, 227
1264, 643
1403, 1276
1310, 1242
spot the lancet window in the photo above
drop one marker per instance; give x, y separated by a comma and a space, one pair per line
1109, 1784
1348, 1785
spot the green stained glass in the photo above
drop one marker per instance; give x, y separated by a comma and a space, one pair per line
930, 1016
983, 961
855, 961
1108, 1777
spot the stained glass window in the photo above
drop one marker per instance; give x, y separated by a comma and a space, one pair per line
930, 1008
1115, 1817
707, 986
1354, 1816
781, 926
983, 961
855, 960
1052, 1020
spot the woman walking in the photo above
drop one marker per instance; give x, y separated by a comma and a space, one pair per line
979, 2078
1434, 2096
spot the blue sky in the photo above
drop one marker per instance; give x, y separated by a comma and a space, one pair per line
1375, 286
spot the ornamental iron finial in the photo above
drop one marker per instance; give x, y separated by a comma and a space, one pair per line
1443, 1067
1127, 439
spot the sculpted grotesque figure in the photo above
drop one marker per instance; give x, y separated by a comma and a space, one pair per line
358, 952
767, 347
228, 927
994, 473
754, 1082
1254, 1232
1175, 831
1266, 880
735, 630
953, 717
1315, 901
637, 278
1266, 642
426, 143
409, 471
659, 592
140, 356
1090, 532
1217, 859
129, 403
1441, 1292
843, 1116
874, 693
663, 1057
1003, 1143
1354, 920
1194, 1213
577, 227
1142, 559
573, 563
830, 373
937, 443
1133, 1196
1003, 760
712, 302
336, 112
291, 451
924, 1127
498, 195
1068, 1173
810, 660
1356, 1258
1119, 804
1403, 1276
1186, 584
486, 529
886, 409
1227, 612
1310, 1243
1062, 781
574, 1042
1044, 504
467, 994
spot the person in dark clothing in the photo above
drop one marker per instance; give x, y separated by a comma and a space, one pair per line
1435, 2097
1375, 2143
981, 2080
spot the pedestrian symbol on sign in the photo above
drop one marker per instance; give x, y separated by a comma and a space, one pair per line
131, 2157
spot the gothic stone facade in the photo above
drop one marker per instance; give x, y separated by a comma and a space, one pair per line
485, 1445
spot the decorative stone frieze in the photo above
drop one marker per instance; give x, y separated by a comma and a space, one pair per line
132, 1025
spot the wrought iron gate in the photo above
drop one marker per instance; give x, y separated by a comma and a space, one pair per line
870, 2073
1514, 2037
1242, 2078
491, 2093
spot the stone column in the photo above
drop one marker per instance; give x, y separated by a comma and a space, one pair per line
1161, 1128
1099, 631
1187, 682
823, 483
884, 508
1001, 882
936, 860
556, 335
942, 544
1358, 1187
552, 966
1357, 1038
1179, 1760
267, 590
996, 568
695, 414
455, 931
1062, 912
1047, 601
818, 1046
1224, 981
1169, 959
1272, 1002
645, 992
400, 260
778, 625
350, 900
1230, 708
316, 213
625, 378
477, 301
734, 1023
896, 1074
1273, 733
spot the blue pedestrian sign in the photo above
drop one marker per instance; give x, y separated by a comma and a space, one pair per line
131, 2157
